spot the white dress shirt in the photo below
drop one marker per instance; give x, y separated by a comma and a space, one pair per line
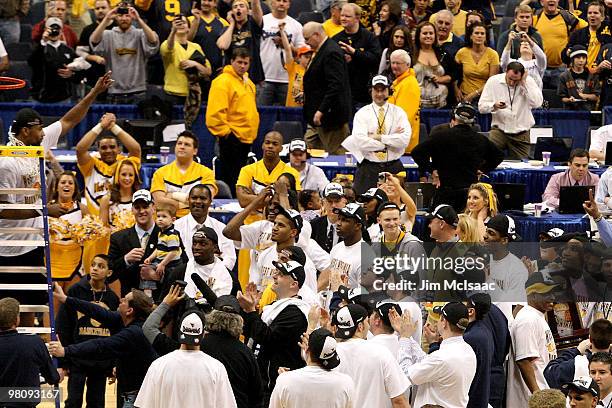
187, 226
516, 117
600, 139
393, 141
313, 178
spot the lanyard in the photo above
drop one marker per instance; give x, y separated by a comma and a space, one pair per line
513, 96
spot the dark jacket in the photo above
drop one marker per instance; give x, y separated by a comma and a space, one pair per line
47, 85
319, 232
22, 358
364, 63
127, 345
276, 345
561, 370
121, 243
497, 322
479, 337
327, 88
74, 328
457, 153
241, 365
583, 37
453, 46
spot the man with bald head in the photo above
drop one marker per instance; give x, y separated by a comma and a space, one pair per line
449, 42
327, 92
361, 53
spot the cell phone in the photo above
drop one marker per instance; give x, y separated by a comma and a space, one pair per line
180, 283
197, 5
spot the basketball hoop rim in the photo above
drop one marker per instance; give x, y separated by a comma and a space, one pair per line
8, 83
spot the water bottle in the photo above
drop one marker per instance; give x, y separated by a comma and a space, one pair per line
80, 91
419, 199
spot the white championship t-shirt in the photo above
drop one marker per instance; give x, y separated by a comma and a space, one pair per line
347, 260
313, 386
217, 272
186, 378
273, 56
376, 374
509, 275
265, 269
531, 338
24, 173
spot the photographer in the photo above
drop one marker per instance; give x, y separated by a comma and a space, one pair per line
52, 79
55, 8
244, 31
125, 50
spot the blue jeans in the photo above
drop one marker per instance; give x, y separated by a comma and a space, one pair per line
271, 93
9, 31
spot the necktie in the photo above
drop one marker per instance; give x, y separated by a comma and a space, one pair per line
576, 183
330, 238
381, 121
144, 240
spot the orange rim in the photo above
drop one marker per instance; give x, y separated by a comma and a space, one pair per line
7, 83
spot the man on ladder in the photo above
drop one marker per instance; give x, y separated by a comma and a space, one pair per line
16, 172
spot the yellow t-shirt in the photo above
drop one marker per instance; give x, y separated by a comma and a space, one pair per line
458, 22
171, 179
475, 75
554, 36
256, 177
593, 49
296, 84
331, 28
99, 177
175, 78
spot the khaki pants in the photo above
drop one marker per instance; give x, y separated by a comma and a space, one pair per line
516, 144
328, 139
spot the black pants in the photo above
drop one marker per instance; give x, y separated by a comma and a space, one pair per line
233, 156
96, 388
366, 175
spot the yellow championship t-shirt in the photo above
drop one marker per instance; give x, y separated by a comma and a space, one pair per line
256, 177
593, 49
99, 177
331, 28
170, 179
295, 88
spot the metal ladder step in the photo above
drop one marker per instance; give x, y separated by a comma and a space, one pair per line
34, 330
22, 243
21, 230
33, 308
21, 206
24, 286
20, 191
23, 269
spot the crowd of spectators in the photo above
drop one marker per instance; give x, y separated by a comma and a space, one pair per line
287, 304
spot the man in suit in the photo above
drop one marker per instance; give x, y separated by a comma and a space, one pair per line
131, 246
324, 228
327, 95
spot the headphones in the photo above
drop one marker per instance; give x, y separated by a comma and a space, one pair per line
465, 112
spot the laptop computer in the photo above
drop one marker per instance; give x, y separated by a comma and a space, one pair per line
559, 148
510, 196
571, 199
428, 190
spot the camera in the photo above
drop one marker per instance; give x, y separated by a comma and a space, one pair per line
123, 9
430, 79
197, 5
54, 30
382, 177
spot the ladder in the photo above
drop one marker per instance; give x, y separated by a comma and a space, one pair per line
34, 152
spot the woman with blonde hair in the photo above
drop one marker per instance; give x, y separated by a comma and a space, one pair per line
481, 204
467, 229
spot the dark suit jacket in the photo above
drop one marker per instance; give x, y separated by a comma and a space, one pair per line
319, 232
121, 243
327, 87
